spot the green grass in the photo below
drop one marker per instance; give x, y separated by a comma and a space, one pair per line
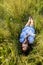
13, 16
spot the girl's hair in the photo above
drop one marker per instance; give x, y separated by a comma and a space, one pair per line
28, 48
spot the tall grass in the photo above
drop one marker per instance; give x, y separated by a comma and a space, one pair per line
13, 16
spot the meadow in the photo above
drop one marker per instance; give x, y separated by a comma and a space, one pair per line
13, 16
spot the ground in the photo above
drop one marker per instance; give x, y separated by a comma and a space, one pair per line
13, 16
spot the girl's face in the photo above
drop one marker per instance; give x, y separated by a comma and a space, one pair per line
24, 46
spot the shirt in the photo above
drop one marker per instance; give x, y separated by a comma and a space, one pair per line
27, 30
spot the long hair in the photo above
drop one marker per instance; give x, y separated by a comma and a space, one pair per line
28, 48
